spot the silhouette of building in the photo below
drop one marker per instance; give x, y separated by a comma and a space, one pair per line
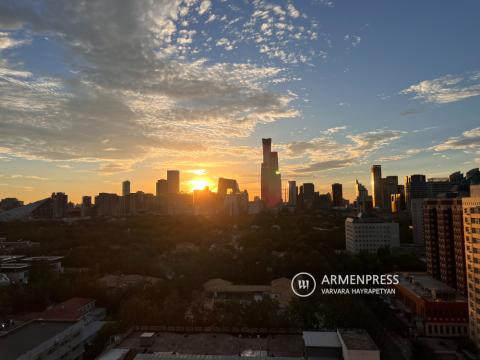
292, 193
363, 201
389, 187
471, 226
397, 201
377, 195
444, 241
337, 195
10, 203
161, 187
173, 181
271, 182
59, 204
415, 188
227, 185
107, 204
125, 188
86, 208
205, 202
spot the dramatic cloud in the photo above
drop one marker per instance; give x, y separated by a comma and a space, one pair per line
446, 89
132, 90
325, 153
469, 139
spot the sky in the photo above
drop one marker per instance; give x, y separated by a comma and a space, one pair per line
96, 92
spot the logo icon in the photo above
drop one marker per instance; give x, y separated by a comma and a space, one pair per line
303, 284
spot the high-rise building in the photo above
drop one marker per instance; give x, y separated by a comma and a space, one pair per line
126, 188
226, 186
415, 188
438, 186
59, 204
173, 181
86, 206
473, 176
161, 187
363, 201
271, 181
377, 185
397, 202
444, 241
416, 213
389, 187
292, 193
107, 204
471, 226
337, 195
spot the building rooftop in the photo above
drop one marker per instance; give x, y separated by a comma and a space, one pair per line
356, 339
43, 258
204, 357
365, 218
10, 258
68, 310
14, 266
217, 344
425, 286
28, 336
321, 339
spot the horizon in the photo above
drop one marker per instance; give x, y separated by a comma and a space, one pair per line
129, 90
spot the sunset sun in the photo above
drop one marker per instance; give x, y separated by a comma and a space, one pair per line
199, 184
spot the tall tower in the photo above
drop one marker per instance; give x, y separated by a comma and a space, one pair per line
271, 181
377, 186
173, 180
161, 187
337, 194
292, 193
125, 188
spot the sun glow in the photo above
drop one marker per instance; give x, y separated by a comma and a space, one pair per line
199, 184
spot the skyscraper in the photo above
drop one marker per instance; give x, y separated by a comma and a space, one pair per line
444, 241
271, 181
415, 188
377, 186
471, 226
161, 187
126, 188
363, 201
292, 193
337, 194
59, 204
173, 181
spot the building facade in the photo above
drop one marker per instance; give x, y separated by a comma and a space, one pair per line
444, 241
471, 225
369, 234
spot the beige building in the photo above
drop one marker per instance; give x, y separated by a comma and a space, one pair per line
471, 223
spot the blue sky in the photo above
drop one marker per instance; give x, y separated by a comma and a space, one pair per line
95, 92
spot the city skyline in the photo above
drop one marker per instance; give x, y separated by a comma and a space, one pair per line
195, 85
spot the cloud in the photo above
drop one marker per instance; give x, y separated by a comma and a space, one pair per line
326, 165
129, 81
204, 6
334, 130
468, 140
446, 89
324, 153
